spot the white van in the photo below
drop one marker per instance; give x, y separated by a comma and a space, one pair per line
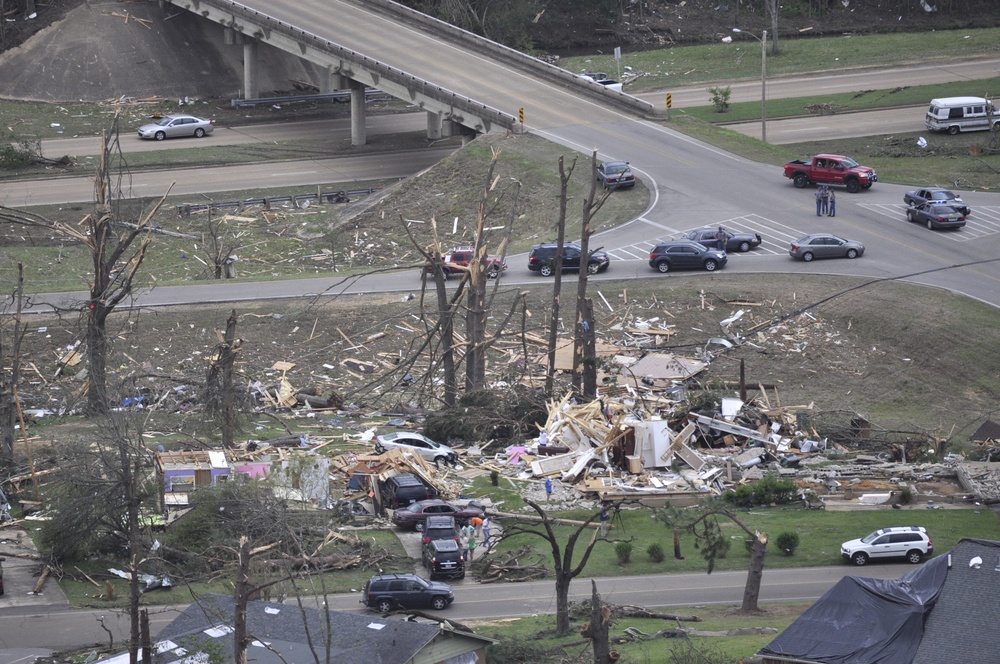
955, 114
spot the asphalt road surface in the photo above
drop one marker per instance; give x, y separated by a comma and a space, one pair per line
55, 627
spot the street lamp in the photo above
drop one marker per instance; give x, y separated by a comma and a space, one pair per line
763, 81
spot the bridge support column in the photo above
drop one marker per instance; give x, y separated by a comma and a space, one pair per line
251, 79
434, 125
332, 82
358, 133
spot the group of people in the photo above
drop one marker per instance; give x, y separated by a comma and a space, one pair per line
471, 533
826, 201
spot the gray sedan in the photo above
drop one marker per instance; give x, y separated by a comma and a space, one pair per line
936, 216
825, 245
171, 126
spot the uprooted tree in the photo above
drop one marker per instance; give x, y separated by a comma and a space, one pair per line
562, 555
117, 235
702, 521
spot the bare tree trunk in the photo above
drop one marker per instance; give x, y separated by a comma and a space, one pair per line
564, 177
600, 618
446, 321
228, 396
583, 322
97, 357
772, 11
751, 592
10, 376
242, 593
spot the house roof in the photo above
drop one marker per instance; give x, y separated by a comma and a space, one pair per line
282, 633
943, 611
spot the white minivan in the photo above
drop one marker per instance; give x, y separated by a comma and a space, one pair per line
955, 114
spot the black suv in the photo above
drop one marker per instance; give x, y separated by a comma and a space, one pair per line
684, 255
401, 490
443, 558
439, 528
386, 592
542, 258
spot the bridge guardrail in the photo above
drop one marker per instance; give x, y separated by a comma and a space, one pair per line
522, 60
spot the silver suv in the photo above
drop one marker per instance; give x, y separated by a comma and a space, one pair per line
909, 542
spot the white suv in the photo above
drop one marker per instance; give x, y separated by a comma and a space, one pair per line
909, 542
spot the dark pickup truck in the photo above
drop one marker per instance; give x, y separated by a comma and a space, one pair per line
831, 169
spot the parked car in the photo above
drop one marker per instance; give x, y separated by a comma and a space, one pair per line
825, 245
921, 196
456, 260
417, 444
685, 255
909, 542
385, 592
615, 174
443, 558
404, 489
708, 236
172, 126
542, 259
440, 527
414, 515
936, 216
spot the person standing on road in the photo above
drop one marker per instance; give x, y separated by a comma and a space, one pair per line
833, 203
721, 238
477, 525
471, 548
819, 201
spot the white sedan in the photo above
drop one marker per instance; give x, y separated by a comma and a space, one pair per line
172, 126
414, 442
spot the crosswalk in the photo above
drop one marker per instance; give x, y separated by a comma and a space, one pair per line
776, 236
982, 222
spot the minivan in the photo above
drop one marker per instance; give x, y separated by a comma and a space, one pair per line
955, 114
401, 490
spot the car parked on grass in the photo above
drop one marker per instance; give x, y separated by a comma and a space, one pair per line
385, 592
173, 126
909, 542
825, 245
542, 259
935, 195
685, 255
417, 444
414, 515
936, 216
615, 175
708, 236
443, 558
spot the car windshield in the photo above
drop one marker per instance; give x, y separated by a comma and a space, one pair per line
164, 122
420, 582
942, 196
849, 163
868, 539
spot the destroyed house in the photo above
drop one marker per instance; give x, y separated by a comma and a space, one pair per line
184, 472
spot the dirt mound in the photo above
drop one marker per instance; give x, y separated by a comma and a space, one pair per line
106, 50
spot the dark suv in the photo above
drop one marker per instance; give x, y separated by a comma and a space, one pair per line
438, 528
443, 558
684, 255
401, 490
385, 592
542, 259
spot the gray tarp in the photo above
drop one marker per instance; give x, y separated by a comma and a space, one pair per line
863, 620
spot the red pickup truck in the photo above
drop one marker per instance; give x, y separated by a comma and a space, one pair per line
459, 258
831, 169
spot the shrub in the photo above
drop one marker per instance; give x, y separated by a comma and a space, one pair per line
772, 490
655, 552
787, 542
624, 552
720, 98
905, 495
